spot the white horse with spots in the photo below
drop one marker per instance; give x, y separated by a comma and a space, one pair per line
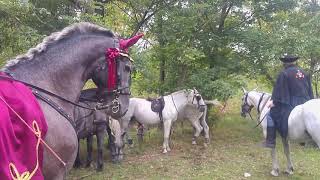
140, 110
303, 123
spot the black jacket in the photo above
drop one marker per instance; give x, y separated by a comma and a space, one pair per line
292, 88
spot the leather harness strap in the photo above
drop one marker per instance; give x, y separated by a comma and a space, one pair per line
55, 106
260, 100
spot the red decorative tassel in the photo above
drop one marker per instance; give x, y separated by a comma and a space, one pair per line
111, 55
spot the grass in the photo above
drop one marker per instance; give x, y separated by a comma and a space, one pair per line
232, 152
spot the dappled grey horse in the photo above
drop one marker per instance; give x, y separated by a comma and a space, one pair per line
62, 64
303, 123
89, 123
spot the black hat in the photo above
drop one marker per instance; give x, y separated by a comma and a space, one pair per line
288, 58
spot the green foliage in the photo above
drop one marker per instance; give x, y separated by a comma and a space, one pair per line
213, 45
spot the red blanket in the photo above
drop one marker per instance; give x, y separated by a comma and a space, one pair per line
17, 141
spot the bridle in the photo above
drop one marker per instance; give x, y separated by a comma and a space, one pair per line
198, 97
246, 108
105, 92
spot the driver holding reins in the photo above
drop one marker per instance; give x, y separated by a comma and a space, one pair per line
293, 87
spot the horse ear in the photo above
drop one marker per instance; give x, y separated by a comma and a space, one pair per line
244, 90
195, 90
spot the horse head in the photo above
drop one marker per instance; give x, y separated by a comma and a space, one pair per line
117, 97
195, 98
246, 106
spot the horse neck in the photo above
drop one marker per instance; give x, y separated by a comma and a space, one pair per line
180, 100
254, 98
63, 67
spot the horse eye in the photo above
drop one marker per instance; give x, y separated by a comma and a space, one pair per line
127, 67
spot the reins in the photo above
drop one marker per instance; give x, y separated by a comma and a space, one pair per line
45, 91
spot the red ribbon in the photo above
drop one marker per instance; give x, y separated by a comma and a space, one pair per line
111, 55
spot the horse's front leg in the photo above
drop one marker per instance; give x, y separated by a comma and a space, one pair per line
166, 135
89, 150
286, 149
275, 163
77, 163
100, 140
197, 130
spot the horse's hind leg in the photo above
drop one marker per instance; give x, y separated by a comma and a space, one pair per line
100, 140
89, 151
286, 149
275, 163
205, 126
77, 163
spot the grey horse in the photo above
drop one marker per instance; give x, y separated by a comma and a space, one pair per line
62, 64
89, 123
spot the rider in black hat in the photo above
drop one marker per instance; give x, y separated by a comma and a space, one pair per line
292, 88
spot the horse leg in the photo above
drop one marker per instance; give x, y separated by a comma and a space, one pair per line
205, 126
166, 135
89, 150
77, 163
275, 163
140, 133
124, 123
286, 149
198, 128
100, 140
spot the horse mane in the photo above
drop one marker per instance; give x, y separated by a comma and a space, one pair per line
178, 92
77, 28
262, 92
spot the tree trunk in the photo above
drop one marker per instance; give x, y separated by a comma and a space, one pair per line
161, 57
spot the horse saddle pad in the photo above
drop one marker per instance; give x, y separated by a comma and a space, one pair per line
17, 141
157, 104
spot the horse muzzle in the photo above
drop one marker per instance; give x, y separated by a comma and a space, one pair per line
243, 114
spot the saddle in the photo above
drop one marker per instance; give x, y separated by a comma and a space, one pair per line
157, 105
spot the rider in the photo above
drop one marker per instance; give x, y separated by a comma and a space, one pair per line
292, 88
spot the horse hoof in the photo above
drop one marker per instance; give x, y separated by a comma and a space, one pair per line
194, 143
275, 172
88, 165
164, 151
289, 171
205, 145
99, 169
77, 165
168, 149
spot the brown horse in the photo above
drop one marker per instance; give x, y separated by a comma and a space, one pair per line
62, 64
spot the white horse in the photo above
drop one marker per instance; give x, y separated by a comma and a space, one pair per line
140, 110
303, 123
